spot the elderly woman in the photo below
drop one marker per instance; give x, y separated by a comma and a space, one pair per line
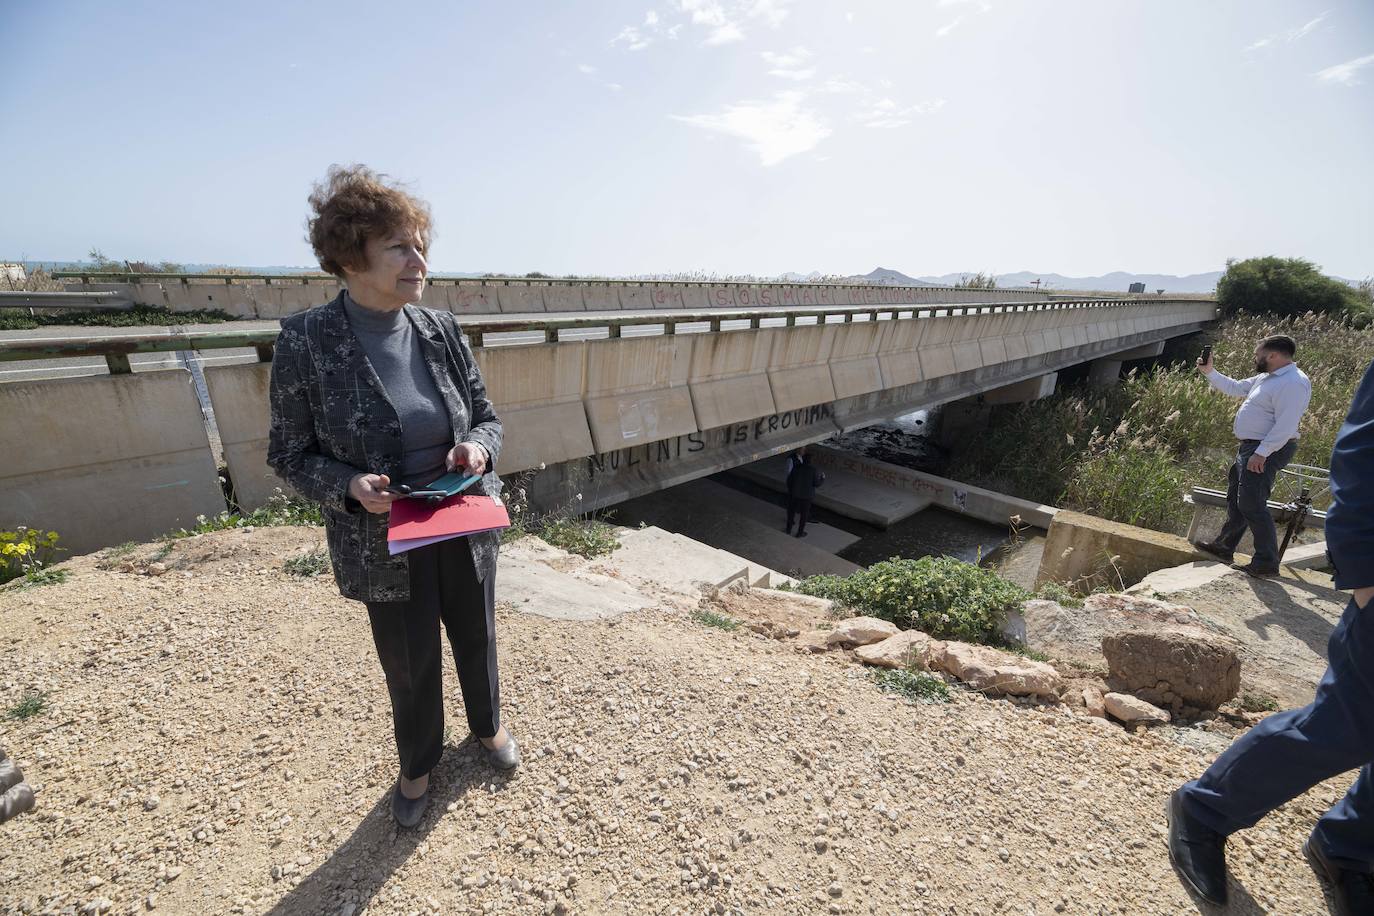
370, 391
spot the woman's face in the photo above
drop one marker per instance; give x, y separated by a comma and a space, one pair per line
395, 273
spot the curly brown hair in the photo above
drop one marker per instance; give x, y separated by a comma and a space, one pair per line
354, 204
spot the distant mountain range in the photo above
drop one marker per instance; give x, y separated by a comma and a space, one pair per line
1112, 282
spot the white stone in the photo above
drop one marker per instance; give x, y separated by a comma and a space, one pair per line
907, 648
1132, 710
861, 631
995, 672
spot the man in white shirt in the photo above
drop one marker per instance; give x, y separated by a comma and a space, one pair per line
1267, 427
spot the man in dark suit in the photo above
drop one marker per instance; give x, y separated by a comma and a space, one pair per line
1289, 752
802, 482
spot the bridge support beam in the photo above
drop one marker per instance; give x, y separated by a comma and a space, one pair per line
1104, 372
1148, 351
1023, 392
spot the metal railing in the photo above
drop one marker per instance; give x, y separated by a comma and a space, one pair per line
496, 330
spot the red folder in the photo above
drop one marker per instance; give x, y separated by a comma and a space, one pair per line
414, 523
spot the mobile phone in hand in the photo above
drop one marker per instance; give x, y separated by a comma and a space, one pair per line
1206, 354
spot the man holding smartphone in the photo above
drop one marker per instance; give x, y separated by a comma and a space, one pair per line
1289, 752
1267, 427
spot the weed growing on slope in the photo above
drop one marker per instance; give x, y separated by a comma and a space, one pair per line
921, 686
33, 704
712, 619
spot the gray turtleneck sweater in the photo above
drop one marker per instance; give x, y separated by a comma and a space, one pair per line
393, 348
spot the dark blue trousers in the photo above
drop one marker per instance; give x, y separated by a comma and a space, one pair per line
1247, 501
1289, 752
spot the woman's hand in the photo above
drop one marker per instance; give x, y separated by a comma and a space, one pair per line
367, 489
467, 455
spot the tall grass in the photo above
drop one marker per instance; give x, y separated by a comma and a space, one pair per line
1130, 452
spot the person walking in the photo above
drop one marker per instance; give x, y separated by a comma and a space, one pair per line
1289, 752
369, 389
1267, 426
802, 482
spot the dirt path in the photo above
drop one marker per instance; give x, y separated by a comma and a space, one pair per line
218, 740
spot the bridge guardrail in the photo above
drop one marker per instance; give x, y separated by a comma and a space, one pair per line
116, 348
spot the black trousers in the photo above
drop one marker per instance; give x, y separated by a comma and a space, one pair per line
798, 507
443, 587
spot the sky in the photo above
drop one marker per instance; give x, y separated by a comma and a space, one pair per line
722, 137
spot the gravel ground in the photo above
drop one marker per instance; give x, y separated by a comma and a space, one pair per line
217, 740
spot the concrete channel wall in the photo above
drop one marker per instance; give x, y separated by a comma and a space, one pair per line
275, 297
615, 418
105, 460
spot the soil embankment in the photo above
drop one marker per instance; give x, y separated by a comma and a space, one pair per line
217, 739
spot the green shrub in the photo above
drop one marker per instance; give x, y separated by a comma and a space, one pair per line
587, 537
1131, 483
311, 563
33, 703
279, 510
921, 686
712, 619
1130, 452
942, 596
1285, 287
26, 552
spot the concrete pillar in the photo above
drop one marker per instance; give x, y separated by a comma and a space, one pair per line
961, 420
1023, 392
1104, 372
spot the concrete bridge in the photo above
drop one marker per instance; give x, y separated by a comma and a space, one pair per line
602, 406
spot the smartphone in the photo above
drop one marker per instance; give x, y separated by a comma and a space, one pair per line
1206, 354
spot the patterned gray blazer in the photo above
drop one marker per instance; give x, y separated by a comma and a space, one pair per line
331, 420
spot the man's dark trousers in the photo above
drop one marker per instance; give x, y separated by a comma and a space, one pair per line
1289, 752
797, 507
443, 587
1247, 501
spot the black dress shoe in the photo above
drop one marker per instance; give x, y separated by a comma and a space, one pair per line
1213, 549
1259, 572
1352, 891
1198, 853
408, 811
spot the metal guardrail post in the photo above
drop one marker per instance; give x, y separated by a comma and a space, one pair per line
118, 363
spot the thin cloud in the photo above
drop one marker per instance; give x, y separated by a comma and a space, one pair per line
586, 68
724, 21
639, 37
948, 27
1288, 36
774, 130
790, 65
634, 39
983, 5
1346, 74
887, 114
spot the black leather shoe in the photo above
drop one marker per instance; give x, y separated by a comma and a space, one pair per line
1351, 891
1259, 572
1198, 853
1213, 549
408, 811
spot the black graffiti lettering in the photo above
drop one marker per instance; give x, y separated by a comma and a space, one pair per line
664, 450
596, 464
786, 420
695, 443
630, 459
773, 423
758, 428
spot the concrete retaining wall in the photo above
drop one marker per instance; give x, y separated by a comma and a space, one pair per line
255, 297
996, 508
538, 394
1087, 550
239, 397
106, 459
